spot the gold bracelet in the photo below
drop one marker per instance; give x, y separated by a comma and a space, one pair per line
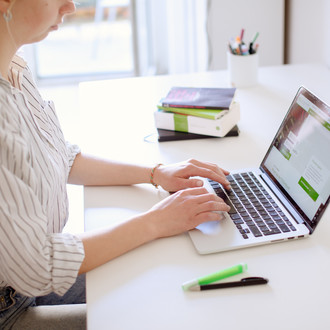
152, 175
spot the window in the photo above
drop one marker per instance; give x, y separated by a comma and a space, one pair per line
122, 38
97, 40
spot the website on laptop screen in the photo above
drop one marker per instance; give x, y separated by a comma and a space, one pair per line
299, 158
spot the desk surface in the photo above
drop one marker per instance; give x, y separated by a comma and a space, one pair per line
142, 289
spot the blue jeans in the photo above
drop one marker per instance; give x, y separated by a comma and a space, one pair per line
13, 305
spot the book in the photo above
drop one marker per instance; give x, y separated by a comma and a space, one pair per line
204, 113
192, 124
199, 98
165, 135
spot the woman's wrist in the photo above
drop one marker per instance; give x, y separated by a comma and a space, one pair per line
149, 225
154, 174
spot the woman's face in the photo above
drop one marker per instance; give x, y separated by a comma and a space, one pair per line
34, 19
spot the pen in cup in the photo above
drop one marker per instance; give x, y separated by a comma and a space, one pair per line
251, 49
238, 47
242, 35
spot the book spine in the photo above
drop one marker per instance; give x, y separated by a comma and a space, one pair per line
171, 105
191, 124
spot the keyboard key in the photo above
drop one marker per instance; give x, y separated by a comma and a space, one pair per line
255, 231
272, 232
249, 223
264, 229
238, 222
284, 228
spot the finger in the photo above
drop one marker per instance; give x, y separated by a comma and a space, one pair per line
208, 202
212, 171
190, 183
218, 176
210, 166
200, 196
212, 206
197, 191
222, 180
207, 216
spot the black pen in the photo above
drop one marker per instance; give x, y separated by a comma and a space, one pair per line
243, 282
251, 49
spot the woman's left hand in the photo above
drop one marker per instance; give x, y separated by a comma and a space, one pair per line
178, 176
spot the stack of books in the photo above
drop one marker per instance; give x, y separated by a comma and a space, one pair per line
204, 111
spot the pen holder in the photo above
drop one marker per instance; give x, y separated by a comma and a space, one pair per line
243, 69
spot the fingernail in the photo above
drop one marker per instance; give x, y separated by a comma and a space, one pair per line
199, 183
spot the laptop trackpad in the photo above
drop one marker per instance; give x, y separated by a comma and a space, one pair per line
216, 236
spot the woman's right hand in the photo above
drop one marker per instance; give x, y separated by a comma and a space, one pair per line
185, 210
174, 215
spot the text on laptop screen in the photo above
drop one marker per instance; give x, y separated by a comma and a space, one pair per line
299, 158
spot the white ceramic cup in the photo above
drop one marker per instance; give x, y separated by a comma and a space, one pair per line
243, 69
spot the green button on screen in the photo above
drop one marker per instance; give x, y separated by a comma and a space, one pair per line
308, 188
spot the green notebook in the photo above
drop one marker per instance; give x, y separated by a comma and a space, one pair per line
204, 113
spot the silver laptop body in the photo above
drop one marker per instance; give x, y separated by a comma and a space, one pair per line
289, 191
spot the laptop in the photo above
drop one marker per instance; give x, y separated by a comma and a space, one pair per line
285, 197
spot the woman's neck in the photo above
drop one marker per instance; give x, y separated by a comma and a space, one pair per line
4, 67
8, 46
6, 55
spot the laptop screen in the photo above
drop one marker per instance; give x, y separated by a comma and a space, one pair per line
298, 160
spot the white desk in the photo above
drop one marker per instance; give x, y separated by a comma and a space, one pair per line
142, 289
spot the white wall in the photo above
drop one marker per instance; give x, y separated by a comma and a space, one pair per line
227, 18
309, 31
327, 33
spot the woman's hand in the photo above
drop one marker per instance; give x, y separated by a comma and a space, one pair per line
177, 176
174, 215
185, 210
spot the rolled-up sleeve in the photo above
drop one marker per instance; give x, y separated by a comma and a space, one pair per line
33, 261
73, 150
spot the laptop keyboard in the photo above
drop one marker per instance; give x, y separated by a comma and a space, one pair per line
253, 210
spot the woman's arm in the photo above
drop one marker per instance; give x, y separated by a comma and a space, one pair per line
92, 171
176, 214
180, 212
88, 170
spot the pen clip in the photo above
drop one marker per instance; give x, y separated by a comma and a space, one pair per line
254, 280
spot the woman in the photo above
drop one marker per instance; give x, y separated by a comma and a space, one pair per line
39, 265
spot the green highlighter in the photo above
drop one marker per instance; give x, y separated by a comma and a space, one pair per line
217, 276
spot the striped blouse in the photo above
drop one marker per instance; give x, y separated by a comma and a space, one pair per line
35, 161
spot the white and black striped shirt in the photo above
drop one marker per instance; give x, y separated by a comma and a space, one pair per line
35, 161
